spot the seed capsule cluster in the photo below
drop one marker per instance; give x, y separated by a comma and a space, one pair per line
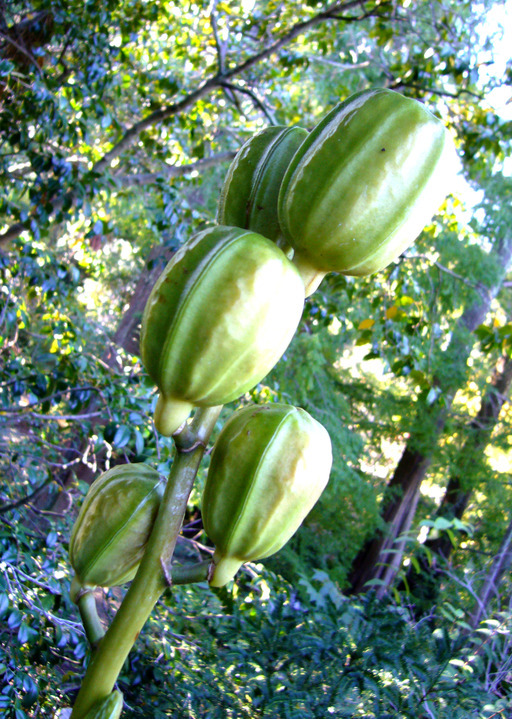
348, 197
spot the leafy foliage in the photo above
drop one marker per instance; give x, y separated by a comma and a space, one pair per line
314, 654
117, 123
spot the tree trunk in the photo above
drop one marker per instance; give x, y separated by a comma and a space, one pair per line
127, 333
457, 495
380, 558
127, 338
426, 583
501, 563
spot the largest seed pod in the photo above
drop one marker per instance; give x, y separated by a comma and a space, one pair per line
269, 466
218, 319
363, 184
113, 526
249, 195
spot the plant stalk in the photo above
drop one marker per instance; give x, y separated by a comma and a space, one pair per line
153, 576
190, 573
93, 627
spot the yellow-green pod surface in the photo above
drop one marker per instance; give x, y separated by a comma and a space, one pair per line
113, 525
363, 184
218, 319
269, 466
249, 195
109, 708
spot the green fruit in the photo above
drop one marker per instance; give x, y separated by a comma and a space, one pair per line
218, 319
109, 708
248, 198
269, 466
363, 185
113, 525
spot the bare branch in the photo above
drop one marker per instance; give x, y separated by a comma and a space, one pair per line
25, 500
59, 417
478, 287
173, 171
221, 46
214, 82
17, 409
22, 50
257, 102
13, 232
434, 91
205, 88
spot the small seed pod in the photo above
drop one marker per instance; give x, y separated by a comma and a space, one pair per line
363, 184
109, 708
218, 319
269, 466
113, 525
249, 195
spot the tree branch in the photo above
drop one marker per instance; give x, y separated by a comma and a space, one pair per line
221, 46
56, 417
478, 287
216, 81
173, 170
22, 50
19, 408
434, 91
205, 88
25, 500
255, 99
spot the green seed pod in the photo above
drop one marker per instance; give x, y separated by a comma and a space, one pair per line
109, 708
113, 525
363, 185
269, 466
248, 198
218, 319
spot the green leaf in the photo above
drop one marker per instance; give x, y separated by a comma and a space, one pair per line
4, 603
139, 441
122, 436
26, 634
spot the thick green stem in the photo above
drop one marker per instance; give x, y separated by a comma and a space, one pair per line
190, 573
94, 629
152, 578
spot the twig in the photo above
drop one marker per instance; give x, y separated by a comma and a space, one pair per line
221, 46
439, 93
14, 410
64, 417
173, 171
74, 626
478, 287
259, 104
25, 500
23, 51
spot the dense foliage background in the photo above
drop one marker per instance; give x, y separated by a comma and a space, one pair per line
118, 122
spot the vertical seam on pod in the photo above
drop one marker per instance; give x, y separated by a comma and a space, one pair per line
255, 472
190, 288
123, 529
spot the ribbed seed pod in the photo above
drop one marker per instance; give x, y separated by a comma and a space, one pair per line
218, 319
249, 195
269, 466
363, 185
113, 525
109, 708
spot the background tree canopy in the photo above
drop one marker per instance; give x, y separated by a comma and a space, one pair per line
119, 120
